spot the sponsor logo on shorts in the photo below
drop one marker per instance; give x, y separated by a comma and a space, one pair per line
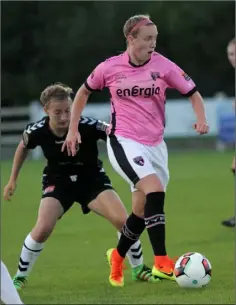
49, 189
139, 160
73, 178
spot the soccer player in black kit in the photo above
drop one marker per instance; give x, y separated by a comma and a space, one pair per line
68, 179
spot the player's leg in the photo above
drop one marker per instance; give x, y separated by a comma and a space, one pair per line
131, 161
154, 186
134, 225
50, 210
231, 221
92, 187
9, 294
109, 205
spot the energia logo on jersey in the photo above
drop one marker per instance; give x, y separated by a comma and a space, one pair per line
138, 91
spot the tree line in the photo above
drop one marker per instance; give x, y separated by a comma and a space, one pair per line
45, 42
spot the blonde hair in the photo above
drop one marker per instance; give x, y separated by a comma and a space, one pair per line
57, 91
132, 22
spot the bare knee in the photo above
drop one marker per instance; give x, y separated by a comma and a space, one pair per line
50, 210
138, 203
119, 221
138, 211
109, 205
150, 184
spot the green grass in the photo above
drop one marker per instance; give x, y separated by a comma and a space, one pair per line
72, 267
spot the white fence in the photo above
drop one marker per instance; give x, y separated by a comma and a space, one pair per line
179, 118
9, 126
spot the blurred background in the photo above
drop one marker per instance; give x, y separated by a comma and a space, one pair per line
44, 42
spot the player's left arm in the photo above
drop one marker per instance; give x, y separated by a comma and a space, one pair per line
198, 106
176, 78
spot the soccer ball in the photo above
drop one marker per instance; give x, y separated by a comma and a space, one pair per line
192, 270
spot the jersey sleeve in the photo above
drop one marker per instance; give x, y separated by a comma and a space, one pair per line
96, 81
177, 79
93, 128
30, 137
102, 130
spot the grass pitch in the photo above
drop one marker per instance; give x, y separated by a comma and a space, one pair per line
72, 267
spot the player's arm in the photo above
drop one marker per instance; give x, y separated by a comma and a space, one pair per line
21, 154
30, 139
95, 82
176, 78
199, 109
78, 105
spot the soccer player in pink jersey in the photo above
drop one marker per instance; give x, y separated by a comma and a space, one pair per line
137, 80
231, 52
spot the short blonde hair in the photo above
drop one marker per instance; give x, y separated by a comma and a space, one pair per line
132, 22
57, 91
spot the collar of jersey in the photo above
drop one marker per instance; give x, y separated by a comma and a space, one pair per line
132, 64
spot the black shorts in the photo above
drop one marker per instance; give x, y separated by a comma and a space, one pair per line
82, 188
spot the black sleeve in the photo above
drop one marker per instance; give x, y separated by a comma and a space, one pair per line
102, 128
91, 126
191, 92
31, 136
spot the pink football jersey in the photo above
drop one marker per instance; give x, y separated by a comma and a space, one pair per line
138, 94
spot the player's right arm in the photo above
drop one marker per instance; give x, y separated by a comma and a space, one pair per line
95, 82
19, 158
29, 141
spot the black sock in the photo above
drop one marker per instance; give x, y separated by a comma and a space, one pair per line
155, 221
233, 171
130, 233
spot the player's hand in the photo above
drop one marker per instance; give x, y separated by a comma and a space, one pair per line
201, 127
9, 190
71, 143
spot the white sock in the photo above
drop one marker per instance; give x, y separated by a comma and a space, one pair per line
9, 295
135, 254
29, 253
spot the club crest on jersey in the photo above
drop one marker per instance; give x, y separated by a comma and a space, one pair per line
155, 75
139, 160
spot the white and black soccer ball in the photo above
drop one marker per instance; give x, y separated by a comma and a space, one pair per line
192, 270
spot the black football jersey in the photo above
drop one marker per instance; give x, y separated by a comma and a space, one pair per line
58, 162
